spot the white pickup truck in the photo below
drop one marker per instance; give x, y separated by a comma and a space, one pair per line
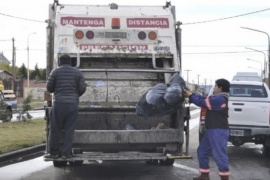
249, 114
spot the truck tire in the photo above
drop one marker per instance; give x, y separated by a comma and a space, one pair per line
266, 151
75, 163
59, 163
167, 162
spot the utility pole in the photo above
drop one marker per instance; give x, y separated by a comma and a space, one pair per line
205, 84
13, 60
187, 75
28, 57
198, 80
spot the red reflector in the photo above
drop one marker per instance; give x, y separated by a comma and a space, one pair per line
115, 23
152, 35
90, 34
203, 111
79, 34
141, 35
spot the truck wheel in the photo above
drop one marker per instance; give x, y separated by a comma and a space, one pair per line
167, 162
75, 163
266, 151
237, 142
59, 163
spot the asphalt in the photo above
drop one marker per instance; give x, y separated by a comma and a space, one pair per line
30, 152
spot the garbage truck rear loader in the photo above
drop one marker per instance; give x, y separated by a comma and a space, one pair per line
122, 52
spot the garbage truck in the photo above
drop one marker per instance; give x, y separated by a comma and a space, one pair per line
122, 52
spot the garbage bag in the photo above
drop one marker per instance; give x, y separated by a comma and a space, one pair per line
163, 98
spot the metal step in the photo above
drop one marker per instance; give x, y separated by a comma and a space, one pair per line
96, 156
99, 156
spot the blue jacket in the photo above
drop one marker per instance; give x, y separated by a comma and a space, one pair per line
217, 109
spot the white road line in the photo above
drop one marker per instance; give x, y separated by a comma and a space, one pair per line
186, 168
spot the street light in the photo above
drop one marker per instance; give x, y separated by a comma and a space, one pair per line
259, 63
265, 63
254, 68
28, 57
268, 50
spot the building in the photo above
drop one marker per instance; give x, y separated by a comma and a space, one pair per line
4, 60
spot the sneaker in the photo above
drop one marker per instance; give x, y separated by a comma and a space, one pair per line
51, 156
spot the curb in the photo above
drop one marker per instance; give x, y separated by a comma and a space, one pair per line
21, 154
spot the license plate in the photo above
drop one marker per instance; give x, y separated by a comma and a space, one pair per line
237, 132
115, 35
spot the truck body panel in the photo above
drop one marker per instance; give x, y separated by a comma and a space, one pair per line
122, 52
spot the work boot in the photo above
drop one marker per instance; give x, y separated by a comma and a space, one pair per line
224, 177
203, 176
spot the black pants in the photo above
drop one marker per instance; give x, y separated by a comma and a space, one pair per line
62, 117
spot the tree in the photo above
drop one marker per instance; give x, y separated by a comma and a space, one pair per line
43, 74
22, 72
23, 112
35, 74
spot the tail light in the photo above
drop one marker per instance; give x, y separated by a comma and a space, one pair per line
141, 35
79, 34
115, 23
152, 35
90, 34
203, 114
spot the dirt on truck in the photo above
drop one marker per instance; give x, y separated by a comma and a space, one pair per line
122, 53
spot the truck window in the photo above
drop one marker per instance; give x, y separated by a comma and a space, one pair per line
247, 91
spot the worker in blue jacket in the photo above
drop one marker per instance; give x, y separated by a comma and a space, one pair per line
216, 136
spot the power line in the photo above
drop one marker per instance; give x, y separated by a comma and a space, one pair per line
228, 52
199, 22
227, 17
5, 39
22, 18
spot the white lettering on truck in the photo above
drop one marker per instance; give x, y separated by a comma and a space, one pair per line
83, 21
112, 47
147, 23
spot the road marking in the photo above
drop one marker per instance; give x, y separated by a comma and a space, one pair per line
186, 168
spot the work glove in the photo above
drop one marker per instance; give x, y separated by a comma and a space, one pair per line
187, 93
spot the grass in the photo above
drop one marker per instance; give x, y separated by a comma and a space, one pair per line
18, 135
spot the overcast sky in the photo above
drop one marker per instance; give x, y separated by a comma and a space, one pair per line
210, 49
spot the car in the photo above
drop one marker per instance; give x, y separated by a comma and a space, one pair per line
5, 109
10, 98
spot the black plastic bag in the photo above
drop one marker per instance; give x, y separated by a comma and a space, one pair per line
162, 99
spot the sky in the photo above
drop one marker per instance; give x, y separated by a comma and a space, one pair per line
213, 43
